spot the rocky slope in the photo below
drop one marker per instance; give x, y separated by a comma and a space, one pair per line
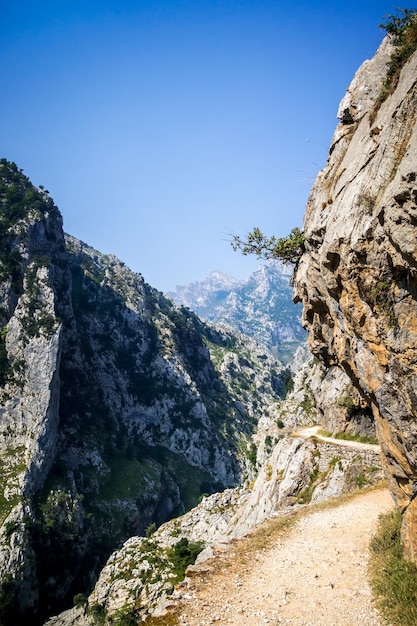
357, 279
118, 409
260, 307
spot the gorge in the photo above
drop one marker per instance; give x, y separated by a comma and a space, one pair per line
134, 435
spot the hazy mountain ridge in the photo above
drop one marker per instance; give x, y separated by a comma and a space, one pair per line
260, 307
206, 297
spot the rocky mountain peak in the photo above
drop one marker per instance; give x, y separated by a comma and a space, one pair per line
260, 307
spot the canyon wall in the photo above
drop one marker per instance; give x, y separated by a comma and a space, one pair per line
357, 279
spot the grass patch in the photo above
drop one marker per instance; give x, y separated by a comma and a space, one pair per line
393, 579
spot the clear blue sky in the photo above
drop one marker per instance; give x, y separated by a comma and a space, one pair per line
160, 127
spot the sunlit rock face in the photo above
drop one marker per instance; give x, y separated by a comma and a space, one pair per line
358, 277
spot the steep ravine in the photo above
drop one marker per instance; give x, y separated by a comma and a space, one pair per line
139, 579
357, 279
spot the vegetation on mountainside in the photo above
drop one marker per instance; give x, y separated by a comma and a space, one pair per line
287, 249
402, 30
163, 567
393, 579
18, 199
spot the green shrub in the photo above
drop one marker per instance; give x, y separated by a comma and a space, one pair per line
288, 383
150, 530
347, 403
80, 600
402, 29
268, 443
98, 614
393, 578
182, 554
252, 453
361, 481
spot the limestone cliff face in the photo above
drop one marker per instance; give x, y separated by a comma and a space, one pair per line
358, 277
31, 252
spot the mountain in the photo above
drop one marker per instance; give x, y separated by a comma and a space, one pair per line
118, 409
260, 307
357, 279
208, 296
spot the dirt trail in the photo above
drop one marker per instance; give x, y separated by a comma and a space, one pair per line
314, 431
313, 574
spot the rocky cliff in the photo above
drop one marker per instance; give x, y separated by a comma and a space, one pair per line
118, 409
357, 279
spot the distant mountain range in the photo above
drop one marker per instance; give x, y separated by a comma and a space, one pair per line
260, 307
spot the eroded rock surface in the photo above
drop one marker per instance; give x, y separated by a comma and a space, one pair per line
358, 277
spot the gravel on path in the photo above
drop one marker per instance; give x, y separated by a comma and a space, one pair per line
313, 574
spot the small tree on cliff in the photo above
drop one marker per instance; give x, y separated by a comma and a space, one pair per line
402, 30
287, 249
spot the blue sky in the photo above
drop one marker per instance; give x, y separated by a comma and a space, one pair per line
161, 127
